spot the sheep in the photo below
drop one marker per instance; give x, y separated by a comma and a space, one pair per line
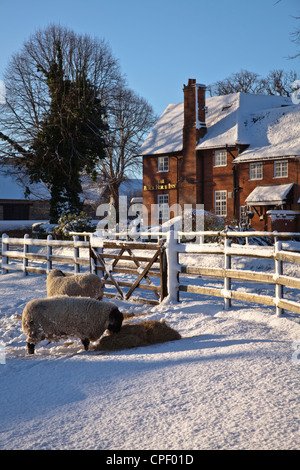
53, 318
73, 285
138, 334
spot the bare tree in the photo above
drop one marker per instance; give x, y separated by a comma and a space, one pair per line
129, 117
279, 82
55, 56
243, 81
296, 39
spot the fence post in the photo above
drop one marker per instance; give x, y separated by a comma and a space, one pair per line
172, 263
163, 272
76, 255
25, 259
94, 263
227, 280
278, 272
5, 247
49, 254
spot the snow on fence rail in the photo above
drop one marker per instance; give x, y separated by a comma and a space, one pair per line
274, 252
44, 260
110, 259
171, 272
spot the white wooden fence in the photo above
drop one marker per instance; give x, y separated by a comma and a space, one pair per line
16, 254
176, 271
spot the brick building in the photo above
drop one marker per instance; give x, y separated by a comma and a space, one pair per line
237, 154
13, 203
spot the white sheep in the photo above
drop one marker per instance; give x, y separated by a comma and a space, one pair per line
73, 285
53, 318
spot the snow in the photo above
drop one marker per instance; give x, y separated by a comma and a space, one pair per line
13, 187
272, 133
273, 194
166, 135
231, 382
268, 124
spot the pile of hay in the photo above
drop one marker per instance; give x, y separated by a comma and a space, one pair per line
138, 334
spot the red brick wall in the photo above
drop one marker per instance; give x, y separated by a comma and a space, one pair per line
153, 177
216, 178
248, 185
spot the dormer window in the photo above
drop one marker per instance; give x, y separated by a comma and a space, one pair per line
228, 106
163, 164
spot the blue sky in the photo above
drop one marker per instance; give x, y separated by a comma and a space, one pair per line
162, 43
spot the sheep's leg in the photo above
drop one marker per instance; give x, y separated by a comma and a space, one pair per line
30, 348
85, 343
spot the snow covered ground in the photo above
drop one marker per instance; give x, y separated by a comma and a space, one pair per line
231, 382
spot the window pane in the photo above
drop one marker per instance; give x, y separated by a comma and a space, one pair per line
256, 171
220, 158
163, 164
163, 206
221, 203
280, 169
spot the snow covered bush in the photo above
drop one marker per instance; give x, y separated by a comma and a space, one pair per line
73, 223
42, 229
213, 222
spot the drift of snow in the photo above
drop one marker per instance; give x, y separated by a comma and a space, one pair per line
231, 382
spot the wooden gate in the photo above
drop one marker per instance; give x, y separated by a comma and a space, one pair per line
148, 266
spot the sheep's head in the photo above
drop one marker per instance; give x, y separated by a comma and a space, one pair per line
55, 273
114, 321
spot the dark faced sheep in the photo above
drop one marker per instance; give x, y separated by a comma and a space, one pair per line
74, 285
57, 317
138, 334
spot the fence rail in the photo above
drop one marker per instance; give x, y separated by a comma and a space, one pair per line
127, 258
21, 252
161, 268
226, 274
141, 267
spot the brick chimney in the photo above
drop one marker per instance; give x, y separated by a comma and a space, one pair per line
194, 129
194, 109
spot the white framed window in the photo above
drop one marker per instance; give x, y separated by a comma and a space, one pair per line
163, 206
163, 164
221, 203
220, 158
256, 171
281, 169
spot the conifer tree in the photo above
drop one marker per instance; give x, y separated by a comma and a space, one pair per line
69, 141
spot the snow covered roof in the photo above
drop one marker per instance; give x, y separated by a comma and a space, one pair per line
268, 124
12, 187
166, 135
228, 117
269, 195
273, 133
92, 191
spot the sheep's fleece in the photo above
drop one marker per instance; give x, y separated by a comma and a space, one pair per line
73, 285
56, 317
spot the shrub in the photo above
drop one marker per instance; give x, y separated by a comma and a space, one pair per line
73, 223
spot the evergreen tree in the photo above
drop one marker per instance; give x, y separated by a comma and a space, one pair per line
51, 127
69, 141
